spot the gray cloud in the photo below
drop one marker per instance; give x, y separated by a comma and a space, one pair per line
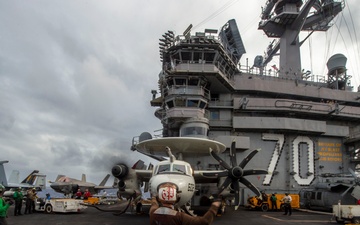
76, 76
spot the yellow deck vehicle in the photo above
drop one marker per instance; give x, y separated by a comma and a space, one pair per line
255, 202
92, 201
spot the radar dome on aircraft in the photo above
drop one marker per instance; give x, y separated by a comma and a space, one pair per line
145, 136
336, 64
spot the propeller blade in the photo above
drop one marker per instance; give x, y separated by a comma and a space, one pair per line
233, 154
356, 178
226, 183
237, 193
221, 162
146, 187
346, 191
254, 172
250, 186
248, 158
216, 173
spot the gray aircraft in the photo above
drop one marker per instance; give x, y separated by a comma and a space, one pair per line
333, 189
33, 180
67, 185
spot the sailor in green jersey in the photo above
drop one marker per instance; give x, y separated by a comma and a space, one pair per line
18, 197
3, 207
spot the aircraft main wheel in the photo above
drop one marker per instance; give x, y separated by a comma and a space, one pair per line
48, 209
265, 207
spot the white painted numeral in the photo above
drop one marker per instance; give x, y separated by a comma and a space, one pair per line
296, 166
279, 138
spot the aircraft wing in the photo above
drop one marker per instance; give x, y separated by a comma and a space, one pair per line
21, 185
144, 175
99, 188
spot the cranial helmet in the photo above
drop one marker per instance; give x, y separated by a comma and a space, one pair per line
168, 193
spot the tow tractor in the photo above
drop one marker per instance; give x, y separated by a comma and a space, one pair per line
61, 205
256, 203
348, 213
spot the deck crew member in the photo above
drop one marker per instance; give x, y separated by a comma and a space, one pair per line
3, 207
87, 194
273, 200
287, 204
18, 197
166, 214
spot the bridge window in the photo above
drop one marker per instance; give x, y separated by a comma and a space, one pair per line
202, 105
180, 81
185, 57
193, 81
180, 102
170, 104
209, 57
198, 57
192, 103
194, 131
215, 115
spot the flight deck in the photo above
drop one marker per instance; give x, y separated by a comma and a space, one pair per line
93, 216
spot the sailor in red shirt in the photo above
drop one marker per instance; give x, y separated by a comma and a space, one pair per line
87, 194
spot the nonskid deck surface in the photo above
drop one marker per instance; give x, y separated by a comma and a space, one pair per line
92, 216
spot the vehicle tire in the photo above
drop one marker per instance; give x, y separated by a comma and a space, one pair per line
48, 208
282, 207
265, 207
356, 220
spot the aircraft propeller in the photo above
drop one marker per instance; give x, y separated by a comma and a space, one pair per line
236, 173
356, 179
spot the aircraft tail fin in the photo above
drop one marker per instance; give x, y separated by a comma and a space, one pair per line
40, 182
3, 179
103, 182
83, 178
59, 176
30, 179
14, 177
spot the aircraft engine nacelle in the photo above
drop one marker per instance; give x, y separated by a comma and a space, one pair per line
120, 171
128, 184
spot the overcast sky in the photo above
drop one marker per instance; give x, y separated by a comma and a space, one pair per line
76, 75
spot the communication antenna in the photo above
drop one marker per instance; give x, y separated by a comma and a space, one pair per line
187, 31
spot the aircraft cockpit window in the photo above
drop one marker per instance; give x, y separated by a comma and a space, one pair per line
179, 168
164, 168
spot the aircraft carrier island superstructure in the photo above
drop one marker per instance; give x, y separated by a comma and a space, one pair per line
307, 126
